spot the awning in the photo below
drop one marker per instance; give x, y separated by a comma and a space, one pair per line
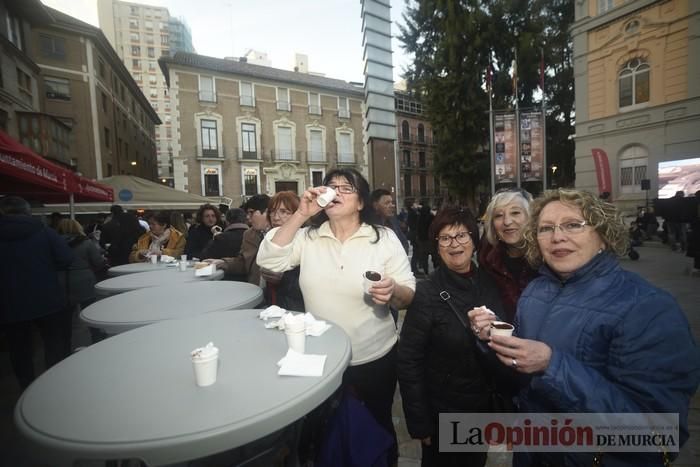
24, 173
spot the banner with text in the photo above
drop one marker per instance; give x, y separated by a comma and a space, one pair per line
531, 143
504, 144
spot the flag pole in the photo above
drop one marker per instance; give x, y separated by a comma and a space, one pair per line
492, 146
545, 168
518, 153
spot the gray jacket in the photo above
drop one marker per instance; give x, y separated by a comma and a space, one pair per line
79, 280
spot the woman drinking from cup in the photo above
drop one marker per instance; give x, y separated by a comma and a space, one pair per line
162, 239
502, 250
592, 337
440, 368
334, 251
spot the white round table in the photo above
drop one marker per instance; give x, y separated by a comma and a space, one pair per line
132, 268
137, 308
141, 280
134, 396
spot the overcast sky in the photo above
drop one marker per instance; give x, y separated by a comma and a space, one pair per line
328, 31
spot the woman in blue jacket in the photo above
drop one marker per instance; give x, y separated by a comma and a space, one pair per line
593, 337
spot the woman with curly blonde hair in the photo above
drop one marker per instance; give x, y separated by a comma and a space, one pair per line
592, 337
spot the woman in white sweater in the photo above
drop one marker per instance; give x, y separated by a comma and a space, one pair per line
340, 244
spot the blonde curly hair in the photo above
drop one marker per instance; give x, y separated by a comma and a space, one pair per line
602, 216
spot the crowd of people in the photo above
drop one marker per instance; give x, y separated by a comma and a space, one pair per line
588, 335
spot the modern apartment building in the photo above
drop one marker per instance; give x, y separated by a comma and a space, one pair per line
416, 143
141, 34
21, 101
637, 71
87, 87
245, 129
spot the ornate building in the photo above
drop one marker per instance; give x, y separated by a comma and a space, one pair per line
637, 71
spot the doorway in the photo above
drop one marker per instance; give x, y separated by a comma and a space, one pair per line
286, 186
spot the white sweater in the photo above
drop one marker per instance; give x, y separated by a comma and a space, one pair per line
331, 280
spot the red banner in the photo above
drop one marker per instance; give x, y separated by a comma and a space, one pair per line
89, 190
602, 171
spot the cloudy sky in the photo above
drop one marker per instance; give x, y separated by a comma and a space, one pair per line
328, 31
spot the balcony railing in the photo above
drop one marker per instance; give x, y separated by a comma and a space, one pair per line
315, 109
284, 105
209, 153
248, 101
413, 139
316, 157
207, 96
343, 113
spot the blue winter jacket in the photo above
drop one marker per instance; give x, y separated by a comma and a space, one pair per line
618, 343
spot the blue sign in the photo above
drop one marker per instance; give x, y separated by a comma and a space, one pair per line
125, 195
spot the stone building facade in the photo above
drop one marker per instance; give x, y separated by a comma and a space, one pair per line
243, 129
637, 72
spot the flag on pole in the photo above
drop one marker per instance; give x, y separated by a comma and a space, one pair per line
514, 67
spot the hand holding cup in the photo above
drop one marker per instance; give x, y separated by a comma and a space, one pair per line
480, 319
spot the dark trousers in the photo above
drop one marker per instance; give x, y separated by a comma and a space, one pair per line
432, 457
20, 341
374, 383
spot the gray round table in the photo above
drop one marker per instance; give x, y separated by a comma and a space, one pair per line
132, 268
134, 395
137, 308
141, 280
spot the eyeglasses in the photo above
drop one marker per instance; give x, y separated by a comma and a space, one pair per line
462, 238
571, 227
343, 189
281, 213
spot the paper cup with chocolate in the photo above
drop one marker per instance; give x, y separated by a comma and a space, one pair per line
370, 278
501, 328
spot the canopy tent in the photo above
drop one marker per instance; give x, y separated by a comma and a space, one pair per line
24, 173
137, 193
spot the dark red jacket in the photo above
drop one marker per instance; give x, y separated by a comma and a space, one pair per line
491, 260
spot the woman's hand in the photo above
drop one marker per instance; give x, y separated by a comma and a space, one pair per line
308, 207
481, 320
524, 355
426, 441
271, 277
382, 291
219, 263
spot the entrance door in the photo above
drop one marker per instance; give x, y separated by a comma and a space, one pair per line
286, 186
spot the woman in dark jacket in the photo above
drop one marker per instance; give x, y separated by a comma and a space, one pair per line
502, 250
208, 221
440, 368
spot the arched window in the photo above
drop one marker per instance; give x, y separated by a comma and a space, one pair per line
405, 131
633, 168
421, 133
634, 83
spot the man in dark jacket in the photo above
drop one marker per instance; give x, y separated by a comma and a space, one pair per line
228, 243
29, 289
200, 234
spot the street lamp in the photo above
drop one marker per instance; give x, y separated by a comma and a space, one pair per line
553, 168
133, 162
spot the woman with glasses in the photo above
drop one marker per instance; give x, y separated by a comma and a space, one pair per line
440, 368
282, 288
502, 251
336, 249
592, 337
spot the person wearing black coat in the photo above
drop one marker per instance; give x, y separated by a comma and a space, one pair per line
30, 294
208, 220
228, 243
440, 367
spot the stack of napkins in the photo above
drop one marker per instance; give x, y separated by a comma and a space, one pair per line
272, 311
166, 259
205, 271
299, 364
315, 327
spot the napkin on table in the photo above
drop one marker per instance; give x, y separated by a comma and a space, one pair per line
315, 327
166, 259
205, 271
299, 364
272, 311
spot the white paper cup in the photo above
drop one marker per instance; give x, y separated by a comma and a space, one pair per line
296, 340
205, 370
154, 259
183, 265
367, 282
183, 258
501, 328
326, 197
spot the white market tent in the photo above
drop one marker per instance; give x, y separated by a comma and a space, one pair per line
136, 193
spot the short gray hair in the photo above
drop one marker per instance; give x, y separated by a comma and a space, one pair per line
236, 216
502, 198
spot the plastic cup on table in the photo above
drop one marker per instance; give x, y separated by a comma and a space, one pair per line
296, 336
205, 362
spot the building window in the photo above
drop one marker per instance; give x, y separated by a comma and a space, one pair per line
248, 141
343, 108
101, 68
407, 158
57, 88
209, 138
405, 131
152, 79
150, 39
423, 186
14, 31
421, 133
250, 181
106, 132
134, 36
421, 160
151, 52
247, 96
604, 5
407, 186
285, 150
283, 99
633, 169
151, 66
316, 146
211, 182
148, 24
164, 39
52, 46
345, 154
634, 83
436, 182
206, 89
314, 103
135, 50
24, 85
317, 177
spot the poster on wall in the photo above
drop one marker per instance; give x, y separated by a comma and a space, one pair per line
504, 145
531, 150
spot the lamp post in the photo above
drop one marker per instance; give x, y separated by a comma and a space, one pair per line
553, 182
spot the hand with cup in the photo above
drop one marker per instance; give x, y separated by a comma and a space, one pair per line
523, 355
378, 286
480, 319
326, 197
205, 362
